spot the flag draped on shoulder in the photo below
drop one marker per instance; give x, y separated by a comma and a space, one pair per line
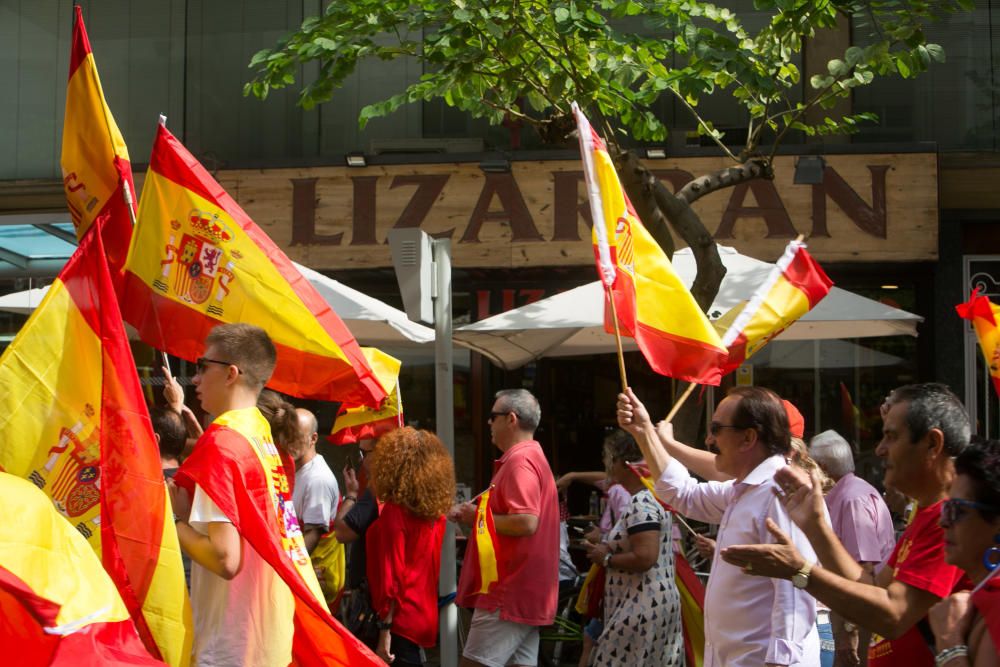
95, 163
985, 316
793, 287
58, 605
198, 260
74, 423
238, 466
356, 423
652, 304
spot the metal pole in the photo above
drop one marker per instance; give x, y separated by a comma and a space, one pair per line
445, 401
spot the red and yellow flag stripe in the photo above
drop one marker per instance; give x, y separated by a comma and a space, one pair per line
73, 422
197, 260
356, 423
485, 535
984, 316
95, 161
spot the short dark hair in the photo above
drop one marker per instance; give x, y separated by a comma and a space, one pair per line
762, 410
933, 405
248, 347
523, 404
170, 427
621, 446
980, 462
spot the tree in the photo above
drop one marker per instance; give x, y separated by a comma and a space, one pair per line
529, 59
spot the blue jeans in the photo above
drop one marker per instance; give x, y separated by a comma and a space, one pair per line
826, 650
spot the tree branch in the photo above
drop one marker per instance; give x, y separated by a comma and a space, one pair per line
755, 167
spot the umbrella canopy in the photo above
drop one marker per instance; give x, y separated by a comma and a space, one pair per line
572, 323
372, 322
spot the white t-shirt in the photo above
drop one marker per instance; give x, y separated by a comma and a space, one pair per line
316, 493
246, 620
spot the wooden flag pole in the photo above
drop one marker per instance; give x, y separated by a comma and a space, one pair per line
680, 401
618, 339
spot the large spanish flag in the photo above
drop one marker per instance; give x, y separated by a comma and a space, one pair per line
356, 423
95, 164
198, 260
984, 316
74, 423
238, 466
58, 607
793, 287
652, 303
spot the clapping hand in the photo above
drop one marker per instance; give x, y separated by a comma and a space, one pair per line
802, 496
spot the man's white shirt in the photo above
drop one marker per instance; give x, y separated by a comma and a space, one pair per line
316, 494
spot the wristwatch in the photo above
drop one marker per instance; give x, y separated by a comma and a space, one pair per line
607, 559
801, 578
383, 625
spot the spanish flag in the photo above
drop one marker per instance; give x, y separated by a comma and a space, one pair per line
95, 164
485, 537
58, 607
652, 303
197, 260
356, 423
73, 422
984, 316
237, 465
793, 287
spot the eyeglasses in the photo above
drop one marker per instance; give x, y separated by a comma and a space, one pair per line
494, 415
202, 364
954, 510
715, 427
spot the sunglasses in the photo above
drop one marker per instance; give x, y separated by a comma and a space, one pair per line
715, 427
494, 415
203, 362
954, 510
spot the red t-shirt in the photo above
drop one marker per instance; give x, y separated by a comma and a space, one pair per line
987, 603
404, 563
918, 561
528, 589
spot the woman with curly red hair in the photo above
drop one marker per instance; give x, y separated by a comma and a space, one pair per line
413, 475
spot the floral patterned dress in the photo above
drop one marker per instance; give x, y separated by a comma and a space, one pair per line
642, 610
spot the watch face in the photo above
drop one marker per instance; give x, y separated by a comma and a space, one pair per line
800, 580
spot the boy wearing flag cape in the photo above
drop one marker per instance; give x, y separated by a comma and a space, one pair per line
254, 595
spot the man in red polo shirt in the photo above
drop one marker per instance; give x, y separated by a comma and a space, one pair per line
525, 508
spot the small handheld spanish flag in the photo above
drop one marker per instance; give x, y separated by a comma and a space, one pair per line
984, 315
486, 540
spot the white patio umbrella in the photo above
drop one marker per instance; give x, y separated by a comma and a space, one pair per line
572, 323
373, 322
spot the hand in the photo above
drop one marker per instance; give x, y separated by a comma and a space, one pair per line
951, 620
382, 647
180, 500
597, 552
665, 431
802, 496
704, 546
593, 535
463, 513
632, 415
173, 393
780, 560
351, 485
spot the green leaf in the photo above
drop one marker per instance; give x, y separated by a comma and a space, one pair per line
936, 52
837, 68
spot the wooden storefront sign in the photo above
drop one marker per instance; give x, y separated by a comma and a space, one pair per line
869, 208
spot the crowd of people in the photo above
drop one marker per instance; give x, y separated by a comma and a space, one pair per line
806, 568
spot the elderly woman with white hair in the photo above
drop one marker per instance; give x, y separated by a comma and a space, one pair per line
860, 518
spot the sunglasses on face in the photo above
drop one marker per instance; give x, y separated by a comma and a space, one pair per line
494, 415
954, 510
715, 427
203, 362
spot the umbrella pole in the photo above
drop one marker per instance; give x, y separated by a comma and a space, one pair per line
618, 339
680, 401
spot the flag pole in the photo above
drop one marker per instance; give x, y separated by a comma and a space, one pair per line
680, 401
618, 339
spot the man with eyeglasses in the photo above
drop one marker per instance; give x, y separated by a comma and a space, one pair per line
525, 507
924, 427
748, 622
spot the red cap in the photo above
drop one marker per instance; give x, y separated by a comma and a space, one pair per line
796, 423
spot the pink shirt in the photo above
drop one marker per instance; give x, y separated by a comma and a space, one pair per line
618, 500
860, 518
528, 566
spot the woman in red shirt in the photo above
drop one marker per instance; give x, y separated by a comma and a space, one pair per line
413, 475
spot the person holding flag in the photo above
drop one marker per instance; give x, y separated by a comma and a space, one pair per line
254, 594
524, 506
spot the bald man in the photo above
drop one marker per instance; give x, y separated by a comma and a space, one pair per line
316, 493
